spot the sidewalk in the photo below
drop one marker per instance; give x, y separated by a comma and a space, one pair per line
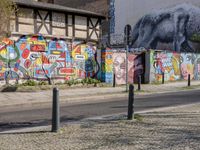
174, 128
76, 95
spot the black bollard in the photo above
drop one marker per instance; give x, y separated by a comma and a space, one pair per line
55, 111
188, 79
114, 82
139, 82
131, 102
163, 78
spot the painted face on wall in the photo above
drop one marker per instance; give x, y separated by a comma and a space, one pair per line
187, 65
120, 67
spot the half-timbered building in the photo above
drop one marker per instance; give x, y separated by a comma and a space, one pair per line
55, 21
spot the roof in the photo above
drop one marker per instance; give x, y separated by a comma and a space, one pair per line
49, 6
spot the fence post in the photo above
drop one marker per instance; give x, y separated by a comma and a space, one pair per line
139, 82
131, 102
188, 79
55, 111
163, 77
114, 82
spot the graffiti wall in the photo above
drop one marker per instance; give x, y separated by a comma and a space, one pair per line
107, 65
32, 57
135, 67
175, 66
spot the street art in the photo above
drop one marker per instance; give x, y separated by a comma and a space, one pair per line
32, 57
177, 26
107, 65
85, 60
175, 66
135, 67
119, 66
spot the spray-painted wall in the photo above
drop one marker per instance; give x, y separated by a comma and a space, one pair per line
135, 67
107, 65
32, 57
176, 66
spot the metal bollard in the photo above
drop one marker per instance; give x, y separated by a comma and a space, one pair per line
55, 111
163, 78
114, 81
139, 82
188, 79
131, 102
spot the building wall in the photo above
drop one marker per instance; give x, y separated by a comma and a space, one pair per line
130, 11
55, 24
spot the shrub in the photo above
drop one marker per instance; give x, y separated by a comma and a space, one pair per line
29, 83
42, 83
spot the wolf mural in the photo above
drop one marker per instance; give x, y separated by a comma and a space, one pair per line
178, 26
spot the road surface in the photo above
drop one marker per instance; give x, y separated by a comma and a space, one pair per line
29, 116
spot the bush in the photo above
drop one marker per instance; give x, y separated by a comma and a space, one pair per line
69, 82
29, 83
90, 81
42, 83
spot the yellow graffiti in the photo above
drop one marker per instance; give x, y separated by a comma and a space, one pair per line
175, 64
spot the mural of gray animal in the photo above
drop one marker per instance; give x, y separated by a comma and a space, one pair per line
179, 26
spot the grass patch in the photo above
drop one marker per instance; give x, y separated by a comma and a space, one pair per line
138, 117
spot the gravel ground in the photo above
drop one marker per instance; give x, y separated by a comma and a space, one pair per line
169, 129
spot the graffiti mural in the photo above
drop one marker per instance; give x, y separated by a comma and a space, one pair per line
119, 66
174, 65
32, 57
85, 60
177, 27
107, 65
135, 67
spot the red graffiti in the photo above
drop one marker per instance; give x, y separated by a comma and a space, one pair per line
38, 48
25, 53
66, 70
27, 63
41, 72
1, 74
16, 69
22, 46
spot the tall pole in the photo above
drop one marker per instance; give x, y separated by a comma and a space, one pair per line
127, 31
127, 48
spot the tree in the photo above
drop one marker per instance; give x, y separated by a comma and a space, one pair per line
7, 9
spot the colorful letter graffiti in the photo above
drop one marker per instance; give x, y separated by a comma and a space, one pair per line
32, 57
174, 65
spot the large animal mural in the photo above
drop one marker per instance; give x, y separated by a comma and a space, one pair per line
175, 66
32, 57
174, 28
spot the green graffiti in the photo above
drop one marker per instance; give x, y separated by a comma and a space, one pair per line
7, 56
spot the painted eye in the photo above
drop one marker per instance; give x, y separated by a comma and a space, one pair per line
181, 59
188, 58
